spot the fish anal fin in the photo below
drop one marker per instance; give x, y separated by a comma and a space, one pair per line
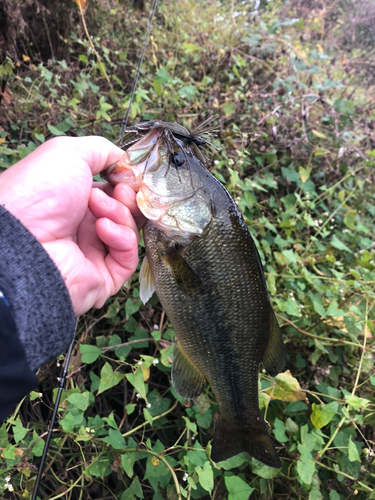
275, 356
185, 276
146, 281
186, 378
229, 440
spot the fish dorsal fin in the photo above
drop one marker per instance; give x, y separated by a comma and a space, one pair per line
186, 378
146, 281
274, 358
185, 276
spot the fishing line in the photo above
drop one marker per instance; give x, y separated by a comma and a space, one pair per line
68, 355
125, 122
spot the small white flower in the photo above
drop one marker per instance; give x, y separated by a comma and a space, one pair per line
7, 479
341, 290
292, 299
155, 362
331, 227
10, 487
40, 394
140, 363
291, 294
155, 327
148, 405
57, 364
137, 395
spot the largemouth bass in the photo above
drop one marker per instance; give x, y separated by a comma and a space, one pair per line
205, 268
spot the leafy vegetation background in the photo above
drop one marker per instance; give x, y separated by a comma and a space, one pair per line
293, 84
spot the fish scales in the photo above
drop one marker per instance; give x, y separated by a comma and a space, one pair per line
205, 267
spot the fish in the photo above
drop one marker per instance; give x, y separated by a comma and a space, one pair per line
204, 265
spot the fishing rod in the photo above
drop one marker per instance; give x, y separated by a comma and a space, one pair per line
62, 379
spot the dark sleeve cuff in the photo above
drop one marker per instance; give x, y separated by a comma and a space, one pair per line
39, 301
16, 378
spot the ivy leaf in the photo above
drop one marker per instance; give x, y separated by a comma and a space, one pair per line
305, 465
353, 454
286, 388
108, 378
355, 402
279, 431
81, 401
19, 431
335, 242
137, 381
237, 488
54, 130
90, 353
115, 439
323, 414
206, 476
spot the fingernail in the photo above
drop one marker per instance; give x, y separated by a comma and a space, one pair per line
111, 225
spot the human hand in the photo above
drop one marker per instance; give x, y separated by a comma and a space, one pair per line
88, 229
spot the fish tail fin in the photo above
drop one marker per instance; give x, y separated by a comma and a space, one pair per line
229, 440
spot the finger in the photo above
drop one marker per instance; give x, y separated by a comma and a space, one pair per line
127, 196
102, 205
122, 242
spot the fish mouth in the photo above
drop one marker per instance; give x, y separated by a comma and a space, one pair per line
108, 170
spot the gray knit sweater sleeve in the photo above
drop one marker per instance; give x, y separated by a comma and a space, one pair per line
35, 290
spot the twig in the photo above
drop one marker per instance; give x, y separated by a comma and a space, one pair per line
307, 334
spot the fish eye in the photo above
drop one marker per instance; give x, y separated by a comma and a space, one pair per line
177, 159
198, 140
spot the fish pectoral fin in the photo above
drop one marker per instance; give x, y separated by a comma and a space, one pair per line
186, 378
185, 276
275, 357
230, 439
146, 281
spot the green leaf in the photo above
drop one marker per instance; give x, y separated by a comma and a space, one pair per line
132, 307
349, 219
19, 432
190, 425
237, 488
335, 242
115, 439
90, 353
323, 414
356, 402
190, 47
137, 381
54, 130
333, 495
108, 378
158, 87
148, 417
38, 446
229, 108
81, 401
306, 467
353, 454
100, 467
130, 408
286, 388
279, 431
163, 76
315, 494
304, 173
206, 476
134, 489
